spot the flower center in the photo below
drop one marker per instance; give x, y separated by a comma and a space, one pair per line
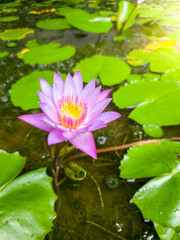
72, 112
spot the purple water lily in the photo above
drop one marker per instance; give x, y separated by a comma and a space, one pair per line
71, 112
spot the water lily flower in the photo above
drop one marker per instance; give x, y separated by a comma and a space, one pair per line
71, 112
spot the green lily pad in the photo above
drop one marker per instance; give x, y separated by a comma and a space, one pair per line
150, 77
15, 34
111, 70
8, 173
10, 4
173, 76
156, 102
9, 10
153, 12
67, 10
138, 57
160, 160
4, 54
9, 19
164, 60
27, 207
134, 78
32, 43
167, 233
153, 130
89, 22
161, 60
150, 160
153, 197
48, 53
53, 24
126, 9
24, 92
11, 44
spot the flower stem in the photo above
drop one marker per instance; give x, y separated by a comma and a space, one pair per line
125, 21
119, 147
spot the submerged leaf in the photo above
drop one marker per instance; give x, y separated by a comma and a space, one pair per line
166, 233
153, 130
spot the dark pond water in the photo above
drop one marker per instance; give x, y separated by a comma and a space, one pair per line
97, 207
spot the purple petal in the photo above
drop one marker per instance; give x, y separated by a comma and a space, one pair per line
47, 120
97, 125
103, 94
85, 142
69, 134
89, 88
69, 87
44, 98
77, 78
35, 120
46, 88
55, 137
58, 87
91, 100
108, 116
98, 108
49, 111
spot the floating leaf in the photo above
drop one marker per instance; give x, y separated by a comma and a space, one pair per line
24, 92
27, 207
89, 22
53, 24
163, 55
153, 12
138, 57
150, 77
90, 67
134, 78
48, 53
126, 15
68, 10
156, 102
173, 76
9, 19
150, 160
11, 44
10, 4
111, 70
161, 160
166, 233
15, 34
11, 165
4, 54
153, 130
164, 60
8, 10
